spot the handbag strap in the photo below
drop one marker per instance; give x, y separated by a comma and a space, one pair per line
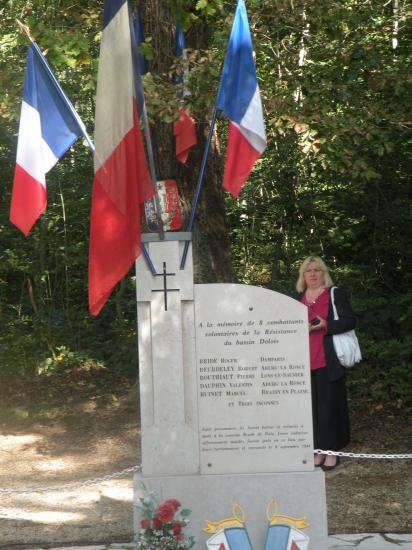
332, 296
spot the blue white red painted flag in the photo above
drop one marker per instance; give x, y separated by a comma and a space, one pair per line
239, 100
231, 538
47, 129
122, 180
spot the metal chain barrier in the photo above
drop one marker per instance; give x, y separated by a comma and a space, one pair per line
138, 468
363, 455
76, 485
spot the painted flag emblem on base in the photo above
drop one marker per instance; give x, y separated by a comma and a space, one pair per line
285, 537
122, 181
47, 130
232, 538
239, 100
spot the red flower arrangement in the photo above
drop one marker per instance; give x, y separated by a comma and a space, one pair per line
161, 525
166, 511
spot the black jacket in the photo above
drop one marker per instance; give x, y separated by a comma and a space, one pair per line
346, 321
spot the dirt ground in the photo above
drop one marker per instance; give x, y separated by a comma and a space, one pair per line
81, 437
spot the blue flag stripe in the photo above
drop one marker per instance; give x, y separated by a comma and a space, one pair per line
110, 10
138, 85
277, 537
238, 83
59, 128
180, 42
238, 538
139, 39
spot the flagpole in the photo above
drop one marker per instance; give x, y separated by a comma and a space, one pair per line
199, 183
152, 169
149, 147
199, 187
59, 89
148, 259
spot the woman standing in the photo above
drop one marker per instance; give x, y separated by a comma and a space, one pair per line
329, 404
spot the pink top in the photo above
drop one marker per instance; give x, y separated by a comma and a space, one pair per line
318, 308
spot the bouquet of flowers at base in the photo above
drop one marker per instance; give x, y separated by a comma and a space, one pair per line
161, 525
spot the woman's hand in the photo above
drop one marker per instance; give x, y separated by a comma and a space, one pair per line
319, 326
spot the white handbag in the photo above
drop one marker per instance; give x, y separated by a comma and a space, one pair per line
346, 344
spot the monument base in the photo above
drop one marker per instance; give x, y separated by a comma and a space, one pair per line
300, 496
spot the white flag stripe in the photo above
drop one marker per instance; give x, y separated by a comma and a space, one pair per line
33, 153
253, 123
114, 101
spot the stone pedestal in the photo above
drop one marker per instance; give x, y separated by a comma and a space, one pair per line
225, 399
300, 496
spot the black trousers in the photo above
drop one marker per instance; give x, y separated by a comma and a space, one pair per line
331, 428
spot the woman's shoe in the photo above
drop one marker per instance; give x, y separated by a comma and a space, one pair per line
321, 461
327, 468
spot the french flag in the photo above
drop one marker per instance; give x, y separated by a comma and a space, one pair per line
230, 538
239, 100
122, 180
48, 127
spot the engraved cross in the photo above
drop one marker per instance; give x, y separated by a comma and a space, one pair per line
165, 290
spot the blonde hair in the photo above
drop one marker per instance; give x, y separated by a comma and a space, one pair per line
300, 283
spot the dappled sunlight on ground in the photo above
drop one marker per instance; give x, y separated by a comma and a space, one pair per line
64, 505
47, 516
51, 465
13, 442
88, 443
26, 455
119, 493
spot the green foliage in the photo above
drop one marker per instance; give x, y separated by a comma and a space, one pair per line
385, 375
334, 180
386, 343
64, 359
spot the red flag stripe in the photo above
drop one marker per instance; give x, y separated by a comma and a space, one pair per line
115, 234
241, 157
28, 202
184, 130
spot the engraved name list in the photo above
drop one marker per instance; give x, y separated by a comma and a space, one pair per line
253, 388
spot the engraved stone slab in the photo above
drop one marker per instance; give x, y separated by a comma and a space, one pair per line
253, 379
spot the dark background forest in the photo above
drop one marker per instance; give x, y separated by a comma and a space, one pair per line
335, 180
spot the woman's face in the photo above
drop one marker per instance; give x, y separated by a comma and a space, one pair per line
314, 276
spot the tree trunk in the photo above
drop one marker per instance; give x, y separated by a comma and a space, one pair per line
211, 244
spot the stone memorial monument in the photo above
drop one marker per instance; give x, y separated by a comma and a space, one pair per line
225, 399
